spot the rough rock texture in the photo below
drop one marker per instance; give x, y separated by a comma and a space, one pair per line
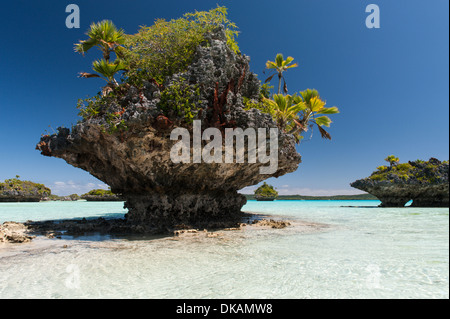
278, 224
8, 198
137, 163
12, 232
426, 184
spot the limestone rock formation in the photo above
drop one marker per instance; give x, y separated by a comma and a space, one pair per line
16, 190
136, 163
425, 183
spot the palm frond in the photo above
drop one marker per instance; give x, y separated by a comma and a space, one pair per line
323, 121
285, 89
103, 33
329, 110
86, 45
324, 133
88, 75
269, 78
271, 65
107, 69
279, 60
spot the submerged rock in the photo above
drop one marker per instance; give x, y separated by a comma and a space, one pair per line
425, 183
278, 224
136, 163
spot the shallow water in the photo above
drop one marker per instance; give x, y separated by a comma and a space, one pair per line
365, 252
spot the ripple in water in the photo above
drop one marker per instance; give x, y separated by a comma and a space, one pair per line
362, 253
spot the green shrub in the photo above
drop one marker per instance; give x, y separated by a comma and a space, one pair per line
403, 168
259, 104
168, 47
156, 52
99, 192
180, 98
378, 177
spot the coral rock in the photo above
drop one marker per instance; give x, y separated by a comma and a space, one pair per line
425, 183
137, 164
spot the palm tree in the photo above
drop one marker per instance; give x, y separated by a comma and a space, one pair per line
108, 39
279, 66
316, 106
294, 114
105, 36
107, 71
285, 109
392, 160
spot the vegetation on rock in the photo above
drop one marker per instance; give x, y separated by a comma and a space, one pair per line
99, 192
180, 100
149, 56
419, 170
392, 160
168, 47
294, 114
101, 195
424, 182
105, 36
280, 65
266, 191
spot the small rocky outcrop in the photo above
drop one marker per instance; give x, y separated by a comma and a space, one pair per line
101, 195
16, 190
266, 193
12, 232
425, 183
136, 162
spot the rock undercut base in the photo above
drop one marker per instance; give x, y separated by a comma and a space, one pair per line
206, 210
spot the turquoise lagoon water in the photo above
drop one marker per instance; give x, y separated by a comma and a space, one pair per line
364, 252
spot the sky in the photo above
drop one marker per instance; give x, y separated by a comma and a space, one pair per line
390, 83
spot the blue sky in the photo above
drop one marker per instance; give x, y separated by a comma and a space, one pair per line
391, 84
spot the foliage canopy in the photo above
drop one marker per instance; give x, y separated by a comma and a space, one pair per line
167, 47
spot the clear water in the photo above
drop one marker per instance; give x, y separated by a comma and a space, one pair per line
366, 252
